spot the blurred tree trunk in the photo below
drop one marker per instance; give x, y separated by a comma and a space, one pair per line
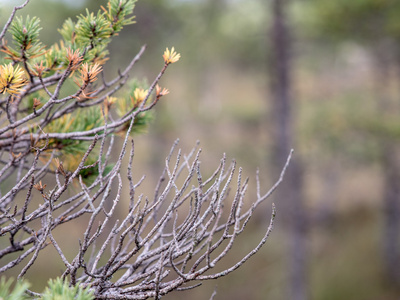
290, 193
391, 213
391, 171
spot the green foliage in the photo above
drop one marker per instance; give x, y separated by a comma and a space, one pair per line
362, 20
68, 30
383, 128
141, 122
350, 126
59, 290
17, 293
90, 34
127, 104
55, 58
83, 50
26, 38
92, 29
25, 33
117, 12
89, 174
81, 120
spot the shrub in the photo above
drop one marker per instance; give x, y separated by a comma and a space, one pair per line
59, 121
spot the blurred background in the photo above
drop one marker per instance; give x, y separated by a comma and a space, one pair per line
258, 78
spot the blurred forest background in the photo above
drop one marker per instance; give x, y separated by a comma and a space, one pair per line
257, 78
